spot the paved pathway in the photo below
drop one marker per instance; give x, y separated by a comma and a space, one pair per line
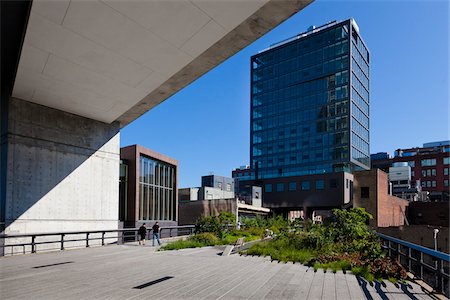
113, 272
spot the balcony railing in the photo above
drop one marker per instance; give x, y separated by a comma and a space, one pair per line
32, 240
430, 266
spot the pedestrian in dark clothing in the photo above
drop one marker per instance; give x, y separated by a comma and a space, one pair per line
142, 234
155, 229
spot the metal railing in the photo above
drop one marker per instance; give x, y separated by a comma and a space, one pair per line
122, 236
429, 265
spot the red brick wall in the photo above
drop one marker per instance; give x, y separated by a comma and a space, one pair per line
386, 209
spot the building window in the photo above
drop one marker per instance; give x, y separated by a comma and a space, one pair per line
445, 171
219, 184
292, 186
268, 188
346, 183
280, 187
433, 172
429, 162
412, 163
305, 186
424, 183
364, 192
320, 184
228, 187
156, 190
412, 173
428, 183
433, 183
424, 173
446, 160
446, 182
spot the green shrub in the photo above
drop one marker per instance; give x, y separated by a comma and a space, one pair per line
205, 238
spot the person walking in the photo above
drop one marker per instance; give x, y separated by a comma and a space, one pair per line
155, 229
142, 234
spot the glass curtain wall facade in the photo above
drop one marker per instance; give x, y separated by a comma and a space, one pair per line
310, 105
156, 190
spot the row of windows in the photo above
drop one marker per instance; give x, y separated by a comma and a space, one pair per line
300, 117
429, 183
360, 74
312, 168
292, 134
361, 157
292, 186
362, 51
360, 130
429, 162
156, 173
360, 88
294, 144
360, 144
309, 88
307, 102
302, 61
322, 142
332, 66
363, 105
359, 115
361, 62
299, 48
156, 203
303, 157
429, 172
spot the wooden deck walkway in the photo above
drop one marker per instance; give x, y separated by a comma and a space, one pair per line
114, 272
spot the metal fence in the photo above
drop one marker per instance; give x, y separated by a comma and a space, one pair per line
102, 237
429, 265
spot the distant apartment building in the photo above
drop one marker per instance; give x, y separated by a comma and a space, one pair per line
219, 182
217, 195
310, 118
147, 187
242, 173
429, 167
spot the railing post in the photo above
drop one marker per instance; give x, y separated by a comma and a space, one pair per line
389, 249
421, 265
62, 241
87, 239
170, 232
398, 253
103, 238
440, 276
135, 236
33, 244
409, 259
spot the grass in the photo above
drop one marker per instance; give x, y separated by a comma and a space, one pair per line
209, 239
281, 251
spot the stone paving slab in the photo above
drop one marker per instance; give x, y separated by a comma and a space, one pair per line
112, 272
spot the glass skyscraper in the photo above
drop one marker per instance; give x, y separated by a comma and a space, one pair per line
310, 104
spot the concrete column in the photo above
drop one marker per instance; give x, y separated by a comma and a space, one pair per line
62, 171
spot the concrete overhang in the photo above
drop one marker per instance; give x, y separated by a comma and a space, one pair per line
115, 60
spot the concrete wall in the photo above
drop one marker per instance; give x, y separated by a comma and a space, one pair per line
189, 212
420, 235
62, 171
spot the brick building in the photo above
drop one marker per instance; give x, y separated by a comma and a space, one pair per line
429, 165
371, 191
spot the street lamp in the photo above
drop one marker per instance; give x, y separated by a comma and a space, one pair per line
435, 233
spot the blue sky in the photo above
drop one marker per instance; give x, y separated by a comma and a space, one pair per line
206, 126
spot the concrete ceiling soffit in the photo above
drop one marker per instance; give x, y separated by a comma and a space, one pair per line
260, 22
